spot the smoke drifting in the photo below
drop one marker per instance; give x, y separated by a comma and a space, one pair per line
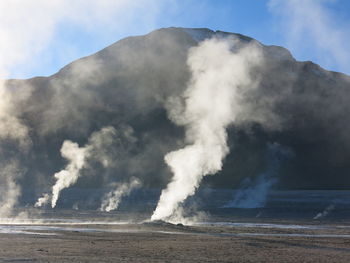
43, 200
112, 199
10, 190
11, 126
15, 133
26, 29
253, 193
137, 86
77, 159
325, 212
211, 103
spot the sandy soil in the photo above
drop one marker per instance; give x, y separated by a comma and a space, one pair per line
166, 243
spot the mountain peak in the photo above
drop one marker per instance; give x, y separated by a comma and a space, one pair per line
128, 86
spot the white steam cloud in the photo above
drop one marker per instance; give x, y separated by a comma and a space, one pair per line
211, 104
11, 130
10, 190
43, 200
76, 157
77, 160
254, 193
112, 199
11, 126
27, 28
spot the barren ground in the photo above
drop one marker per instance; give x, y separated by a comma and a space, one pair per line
148, 243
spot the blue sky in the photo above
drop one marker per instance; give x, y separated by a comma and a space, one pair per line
316, 30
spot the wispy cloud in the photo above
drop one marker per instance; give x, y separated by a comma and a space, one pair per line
311, 27
28, 27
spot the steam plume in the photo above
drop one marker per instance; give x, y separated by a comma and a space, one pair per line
326, 212
15, 133
42, 200
65, 178
77, 159
211, 104
254, 193
112, 199
10, 191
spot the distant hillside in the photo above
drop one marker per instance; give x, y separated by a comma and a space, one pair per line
300, 106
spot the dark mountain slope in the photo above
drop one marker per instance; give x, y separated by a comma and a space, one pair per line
298, 105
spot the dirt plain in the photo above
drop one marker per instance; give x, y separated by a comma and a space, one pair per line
172, 243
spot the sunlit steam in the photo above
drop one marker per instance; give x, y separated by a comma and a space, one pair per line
77, 159
65, 178
42, 200
26, 29
211, 104
112, 199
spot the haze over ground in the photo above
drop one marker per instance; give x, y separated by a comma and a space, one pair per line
172, 94
144, 131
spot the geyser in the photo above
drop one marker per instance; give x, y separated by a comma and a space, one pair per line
220, 69
112, 199
77, 159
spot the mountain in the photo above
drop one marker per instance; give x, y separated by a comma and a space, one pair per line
298, 106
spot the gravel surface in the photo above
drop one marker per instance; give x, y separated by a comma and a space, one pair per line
172, 243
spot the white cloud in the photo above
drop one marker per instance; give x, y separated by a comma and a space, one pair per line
311, 26
27, 27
